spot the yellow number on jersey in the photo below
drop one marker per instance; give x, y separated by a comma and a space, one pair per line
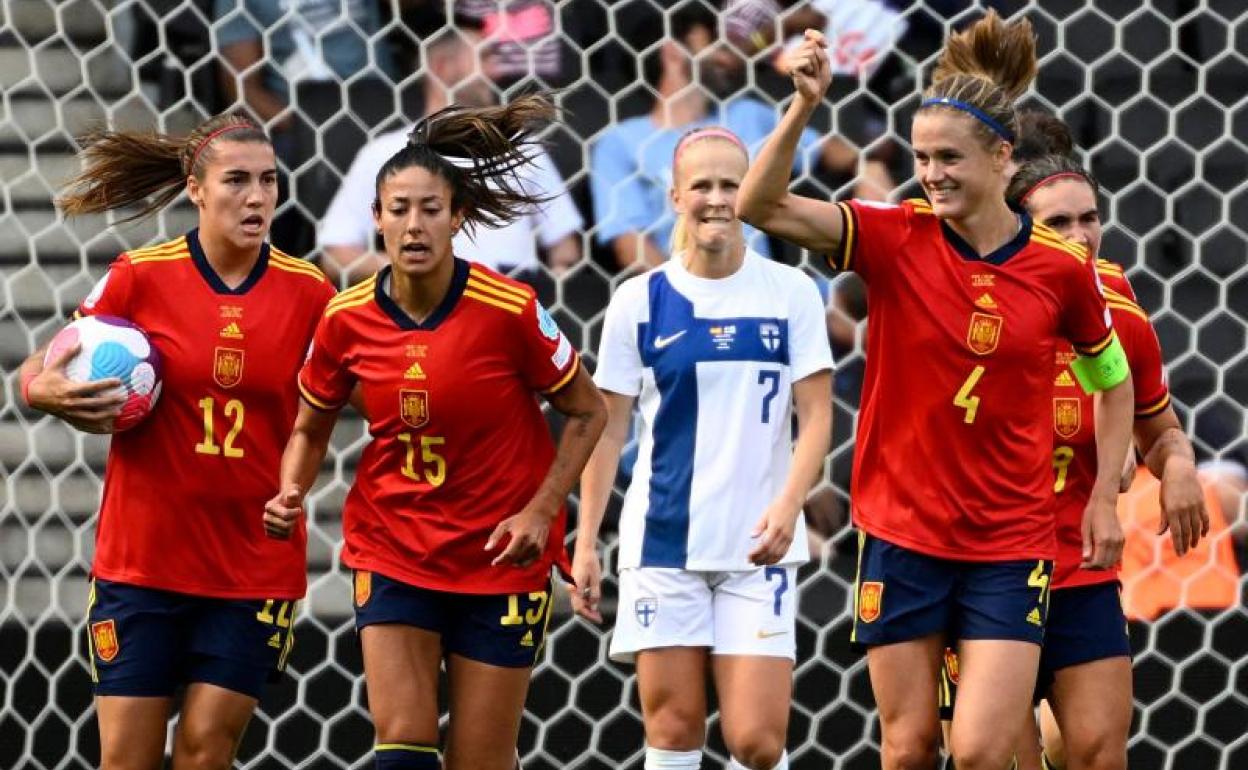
1039, 579
1062, 457
434, 464
964, 398
234, 410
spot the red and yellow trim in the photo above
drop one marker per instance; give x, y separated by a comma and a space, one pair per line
283, 261
358, 295
315, 402
566, 378
1154, 409
842, 258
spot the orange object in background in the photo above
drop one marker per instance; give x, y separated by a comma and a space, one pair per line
1155, 579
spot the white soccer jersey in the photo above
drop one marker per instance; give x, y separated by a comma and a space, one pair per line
712, 363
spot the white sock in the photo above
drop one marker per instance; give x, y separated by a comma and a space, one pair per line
664, 759
783, 764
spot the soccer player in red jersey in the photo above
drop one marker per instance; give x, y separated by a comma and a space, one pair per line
456, 515
952, 484
186, 588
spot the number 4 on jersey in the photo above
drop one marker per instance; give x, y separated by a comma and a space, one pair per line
964, 398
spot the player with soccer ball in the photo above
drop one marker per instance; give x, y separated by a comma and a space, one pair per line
186, 591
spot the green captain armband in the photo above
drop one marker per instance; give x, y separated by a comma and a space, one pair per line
1104, 370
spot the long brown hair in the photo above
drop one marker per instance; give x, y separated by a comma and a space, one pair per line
478, 151
985, 67
123, 168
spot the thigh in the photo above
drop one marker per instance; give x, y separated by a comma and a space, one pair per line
996, 683
754, 613
136, 639
1085, 624
671, 683
401, 666
900, 595
132, 731
755, 694
1092, 705
659, 608
904, 678
487, 702
210, 726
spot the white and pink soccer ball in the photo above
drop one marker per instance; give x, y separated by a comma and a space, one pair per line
113, 347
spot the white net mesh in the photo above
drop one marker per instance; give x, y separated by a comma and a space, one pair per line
1154, 94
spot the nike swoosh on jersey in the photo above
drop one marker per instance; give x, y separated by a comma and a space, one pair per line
662, 342
769, 634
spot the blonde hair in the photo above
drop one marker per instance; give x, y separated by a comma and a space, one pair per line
985, 68
680, 233
123, 168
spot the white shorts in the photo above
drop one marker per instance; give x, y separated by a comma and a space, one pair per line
733, 613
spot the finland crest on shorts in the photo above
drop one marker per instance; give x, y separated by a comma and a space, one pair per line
646, 608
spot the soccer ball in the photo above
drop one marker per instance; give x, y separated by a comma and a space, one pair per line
113, 347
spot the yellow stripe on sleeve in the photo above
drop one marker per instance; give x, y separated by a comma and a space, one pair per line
510, 308
566, 378
1154, 409
1095, 349
519, 294
843, 258
485, 288
1127, 307
314, 401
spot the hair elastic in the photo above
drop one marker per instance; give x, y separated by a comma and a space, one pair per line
1051, 178
711, 132
210, 137
970, 109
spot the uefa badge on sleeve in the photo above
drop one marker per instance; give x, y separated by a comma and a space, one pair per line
646, 609
546, 323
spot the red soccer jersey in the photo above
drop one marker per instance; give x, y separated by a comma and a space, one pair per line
459, 442
954, 437
1074, 428
184, 491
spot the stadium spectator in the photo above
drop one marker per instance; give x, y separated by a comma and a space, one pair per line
697, 82
711, 533
455, 74
457, 514
285, 60
185, 593
519, 35
951, 554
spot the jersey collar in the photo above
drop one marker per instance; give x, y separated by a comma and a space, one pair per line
391, 308
210, 276
1001, 255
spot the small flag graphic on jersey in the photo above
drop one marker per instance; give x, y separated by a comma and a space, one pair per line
870, 600
414, 372
984, 333
1064, 380
104, 638
232, 331
414, 407
227, 367
770, 334
951, 665
986, 301
646, 609
1066, 416
363, 587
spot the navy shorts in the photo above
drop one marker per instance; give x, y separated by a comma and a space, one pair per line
499, 629
147, 642
902, 595
1086, 623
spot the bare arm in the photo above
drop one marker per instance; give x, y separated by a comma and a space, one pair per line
597, 481
1102, 532
636, 249
813, 399
581, 403
764, 199
305, 449
1169, 455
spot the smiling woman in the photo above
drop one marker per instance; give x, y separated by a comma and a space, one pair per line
187, 593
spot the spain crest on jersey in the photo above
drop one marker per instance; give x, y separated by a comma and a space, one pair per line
363, 587
414, 407
104, 639
1066, 416
870, 601
984, 333
227, 367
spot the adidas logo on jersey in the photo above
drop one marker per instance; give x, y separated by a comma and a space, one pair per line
275, 641
232, 331
414, 372
1064, 380
1033, 617
986, 301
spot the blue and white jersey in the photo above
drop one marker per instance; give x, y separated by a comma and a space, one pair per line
711, 362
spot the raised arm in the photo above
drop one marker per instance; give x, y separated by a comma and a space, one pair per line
764, 199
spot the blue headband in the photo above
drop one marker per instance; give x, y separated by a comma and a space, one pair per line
975, 112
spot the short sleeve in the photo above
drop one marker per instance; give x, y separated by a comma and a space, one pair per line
1114, 280
871, 234
1085, 319
1143, 351
619, 360
809, 349
557, 217
618, 189
325, 382
548, 360
111, 294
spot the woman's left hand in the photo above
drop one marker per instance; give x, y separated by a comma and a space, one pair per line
528, 530
774, 532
